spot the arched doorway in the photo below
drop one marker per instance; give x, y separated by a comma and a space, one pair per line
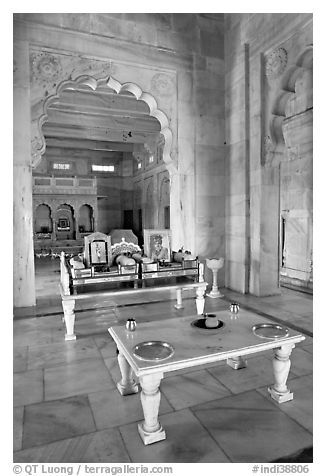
101, 119
114, 119
86, 219
43, 220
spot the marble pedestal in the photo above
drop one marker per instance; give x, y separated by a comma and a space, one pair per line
214, 265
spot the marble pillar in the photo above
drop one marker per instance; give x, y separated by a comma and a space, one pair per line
23, 251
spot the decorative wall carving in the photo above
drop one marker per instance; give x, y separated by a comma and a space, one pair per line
45, 68
49, 69
276, 63
162, 84
55, 73
291, 98
268, 144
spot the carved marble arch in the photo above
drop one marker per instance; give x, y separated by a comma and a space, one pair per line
38, 140
296, 79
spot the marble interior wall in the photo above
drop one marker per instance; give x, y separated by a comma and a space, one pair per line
109, 185
204, 77
177, 59
255, 72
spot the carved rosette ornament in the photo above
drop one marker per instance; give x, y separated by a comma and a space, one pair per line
47, 72
276, 63
162, 84
45, 69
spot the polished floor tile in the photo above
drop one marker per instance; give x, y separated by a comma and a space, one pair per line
210, 413
289, 307
94, 322
186, 442
301, 362
28, 387
112, 409
308, 348
259, 371
57, 420
99, 447
18, 415
76, 379
300, 408
106, 345
55, 354
250, 428
292, 305
183, 391
24, 335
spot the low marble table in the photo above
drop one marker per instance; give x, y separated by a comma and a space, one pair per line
193, 347
69, 300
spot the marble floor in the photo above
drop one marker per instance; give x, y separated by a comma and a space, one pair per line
67, 407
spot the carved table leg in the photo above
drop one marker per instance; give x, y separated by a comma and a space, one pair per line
281, 368
69, 318
127, 385
179, 305
200, 300
150, 429
236, 362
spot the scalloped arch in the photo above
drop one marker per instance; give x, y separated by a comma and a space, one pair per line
118, 87
86, 204
45, 203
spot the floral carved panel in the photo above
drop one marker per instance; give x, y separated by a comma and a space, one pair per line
276, 63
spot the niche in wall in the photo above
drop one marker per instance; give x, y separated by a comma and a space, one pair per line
86, 219
42, 219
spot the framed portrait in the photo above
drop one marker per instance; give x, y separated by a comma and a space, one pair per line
98, 252
63, 224
157, 244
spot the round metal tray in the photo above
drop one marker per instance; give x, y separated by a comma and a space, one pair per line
153, 350
200, 325
270, 331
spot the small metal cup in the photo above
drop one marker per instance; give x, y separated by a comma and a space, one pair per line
131, 325
234, 307
211, 320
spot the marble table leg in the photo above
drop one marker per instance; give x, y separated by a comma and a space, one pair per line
127, 385
236, 362
150, 429
200, 300
281, 368
69, 318
179, 305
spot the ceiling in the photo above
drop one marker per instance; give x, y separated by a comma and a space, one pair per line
98, 120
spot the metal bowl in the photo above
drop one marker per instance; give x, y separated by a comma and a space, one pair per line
153, 350
270, 331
